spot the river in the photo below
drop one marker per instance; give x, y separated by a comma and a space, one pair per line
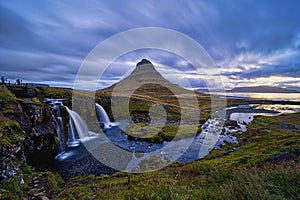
213, 135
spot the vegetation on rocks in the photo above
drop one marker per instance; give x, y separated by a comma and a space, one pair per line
52, 92
27, 133
264, 165
249, 172
10, 132
6, 96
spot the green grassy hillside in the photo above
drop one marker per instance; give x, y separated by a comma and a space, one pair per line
250, 172
264, 165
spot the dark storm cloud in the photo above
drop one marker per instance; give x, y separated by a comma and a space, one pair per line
257, 38
46, 41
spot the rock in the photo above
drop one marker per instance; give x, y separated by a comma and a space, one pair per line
38, 194
44, 198
40, 144
2, 191
36, 133
33, 190
20, 179
231, 124
143, 62
139, 153
11, 158
285, 156
22, 91
86, 165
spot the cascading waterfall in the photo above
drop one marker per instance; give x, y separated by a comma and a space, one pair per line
103, 117
59, 124
60, 133
78, 128
72, 139
101, 113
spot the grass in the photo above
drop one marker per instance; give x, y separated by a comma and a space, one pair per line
270, 181
53, 92
139, 108
55, 181
170, 131
246, 173
159, 133
7, 96
263, 139
10, 132
13, 189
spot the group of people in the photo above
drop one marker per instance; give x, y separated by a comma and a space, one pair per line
5, 81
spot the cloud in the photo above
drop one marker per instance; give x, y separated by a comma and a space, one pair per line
46, 41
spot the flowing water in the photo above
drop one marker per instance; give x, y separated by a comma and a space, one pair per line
213, 135
60, 133
55, 103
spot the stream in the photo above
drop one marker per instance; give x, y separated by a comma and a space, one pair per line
213, 135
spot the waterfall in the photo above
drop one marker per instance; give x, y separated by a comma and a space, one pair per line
60, 132
72, 139
77, 128
55, 104
61, 146
101, 114
103, 118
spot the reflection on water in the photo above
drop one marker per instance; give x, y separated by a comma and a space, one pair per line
277, 96
283, 109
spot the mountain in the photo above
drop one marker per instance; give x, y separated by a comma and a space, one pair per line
149, 79
262, 89
146, 87
146, 84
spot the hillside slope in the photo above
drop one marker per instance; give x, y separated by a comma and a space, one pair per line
264, 165
144, 88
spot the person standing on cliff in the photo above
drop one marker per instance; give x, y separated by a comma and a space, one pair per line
3, 80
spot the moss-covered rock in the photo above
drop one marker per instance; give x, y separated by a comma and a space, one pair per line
27, 134
11, 148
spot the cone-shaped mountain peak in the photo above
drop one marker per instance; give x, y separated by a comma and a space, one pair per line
145, 74
143, 62
145, 71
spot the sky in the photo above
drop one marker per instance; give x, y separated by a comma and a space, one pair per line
251, 42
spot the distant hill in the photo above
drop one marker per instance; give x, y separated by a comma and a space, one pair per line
203, 90
262, 89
